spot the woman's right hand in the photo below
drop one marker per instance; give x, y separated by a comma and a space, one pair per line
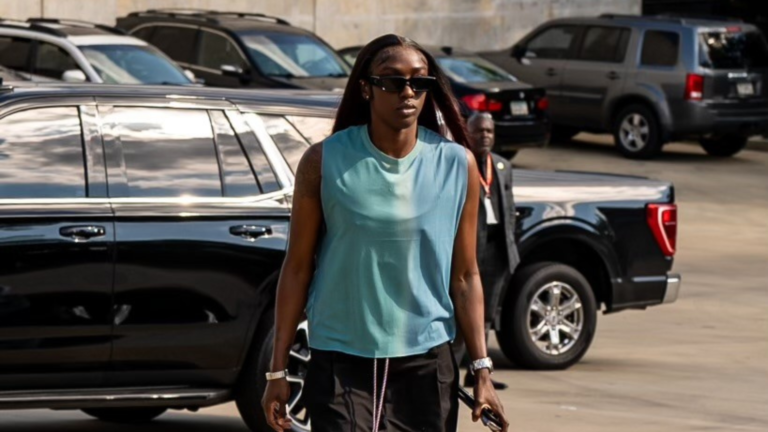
274, 404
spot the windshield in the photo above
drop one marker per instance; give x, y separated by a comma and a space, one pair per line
472, 70
733, 50
133, 64
293, 55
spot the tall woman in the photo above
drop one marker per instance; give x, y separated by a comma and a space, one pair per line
382, 256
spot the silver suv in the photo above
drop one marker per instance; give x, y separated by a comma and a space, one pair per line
648, 80
79, 51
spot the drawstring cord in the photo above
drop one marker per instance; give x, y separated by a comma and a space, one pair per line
380, 403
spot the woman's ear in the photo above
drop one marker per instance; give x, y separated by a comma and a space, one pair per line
365, 88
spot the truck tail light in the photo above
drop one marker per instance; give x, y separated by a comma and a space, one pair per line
662, 219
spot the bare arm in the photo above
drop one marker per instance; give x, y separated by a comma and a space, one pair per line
467, 294
466, 288
298, 267
295, 277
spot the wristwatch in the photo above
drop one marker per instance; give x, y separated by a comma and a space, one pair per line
483, 363
277, 375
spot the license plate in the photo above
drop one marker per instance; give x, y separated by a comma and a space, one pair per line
745, 89
519, 108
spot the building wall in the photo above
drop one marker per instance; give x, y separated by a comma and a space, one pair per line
471, 24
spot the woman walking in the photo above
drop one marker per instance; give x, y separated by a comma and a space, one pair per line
382, 257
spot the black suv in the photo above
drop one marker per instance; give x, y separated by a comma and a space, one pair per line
142, 230
231, 49
649, 80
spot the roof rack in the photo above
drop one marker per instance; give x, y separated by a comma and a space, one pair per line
694, 16
23, 25
676, 18
77, 23
207, 15
259, 16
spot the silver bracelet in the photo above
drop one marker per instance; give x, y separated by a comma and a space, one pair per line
277, 375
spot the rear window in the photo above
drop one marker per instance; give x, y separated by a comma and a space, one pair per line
472, 70
733, 50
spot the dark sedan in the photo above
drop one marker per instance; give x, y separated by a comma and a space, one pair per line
518, 109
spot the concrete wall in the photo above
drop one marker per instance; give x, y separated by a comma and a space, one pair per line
472, 24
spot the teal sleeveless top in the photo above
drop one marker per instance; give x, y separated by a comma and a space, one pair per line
381, 288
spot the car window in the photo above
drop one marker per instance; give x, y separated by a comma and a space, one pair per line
314, 129
245, 126
552, 43
217, 50
41, 154
604, 44
290, 142
52, 61
14, 52
176, 42
733, 49
238, 179
167, 152
293, 55
144, 33
660, 48
133, 64
471, 69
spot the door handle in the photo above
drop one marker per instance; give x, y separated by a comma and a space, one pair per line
551, 72
613, 75
250, 232
82, 232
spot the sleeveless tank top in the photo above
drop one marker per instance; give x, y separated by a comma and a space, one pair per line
381, 288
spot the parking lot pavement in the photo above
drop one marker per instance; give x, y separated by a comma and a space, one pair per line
696, 365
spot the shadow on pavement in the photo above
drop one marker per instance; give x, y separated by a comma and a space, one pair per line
173, 422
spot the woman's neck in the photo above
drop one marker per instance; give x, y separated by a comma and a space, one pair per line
393, 142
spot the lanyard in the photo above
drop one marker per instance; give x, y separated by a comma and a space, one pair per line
488, 180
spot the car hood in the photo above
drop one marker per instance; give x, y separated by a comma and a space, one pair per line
575, 187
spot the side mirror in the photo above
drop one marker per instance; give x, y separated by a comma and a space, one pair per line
243, 75
189, 74
232, 71
74, 76
518, 51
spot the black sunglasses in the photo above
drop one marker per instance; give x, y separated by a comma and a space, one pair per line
396, 84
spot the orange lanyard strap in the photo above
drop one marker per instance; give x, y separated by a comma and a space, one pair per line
488, 180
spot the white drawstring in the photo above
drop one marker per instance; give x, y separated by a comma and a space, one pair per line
380, 403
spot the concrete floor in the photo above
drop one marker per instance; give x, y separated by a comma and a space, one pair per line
700, 364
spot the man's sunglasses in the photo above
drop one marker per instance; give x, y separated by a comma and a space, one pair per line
396, 84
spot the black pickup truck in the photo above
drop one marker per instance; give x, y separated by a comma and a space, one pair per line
142, 230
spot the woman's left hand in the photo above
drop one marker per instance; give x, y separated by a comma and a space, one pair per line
486, 397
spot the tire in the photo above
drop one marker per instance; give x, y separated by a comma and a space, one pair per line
126, 415
724, 145
253, 382
637, 133
518, 317
563, 134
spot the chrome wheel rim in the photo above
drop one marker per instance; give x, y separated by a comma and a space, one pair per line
555, 318
298, 362
634, 132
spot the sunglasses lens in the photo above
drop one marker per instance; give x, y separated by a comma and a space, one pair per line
421, 84
393, 84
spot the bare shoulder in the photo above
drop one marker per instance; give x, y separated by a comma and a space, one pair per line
471, 162
309, 172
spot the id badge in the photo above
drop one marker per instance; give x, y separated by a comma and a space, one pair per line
490, 215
